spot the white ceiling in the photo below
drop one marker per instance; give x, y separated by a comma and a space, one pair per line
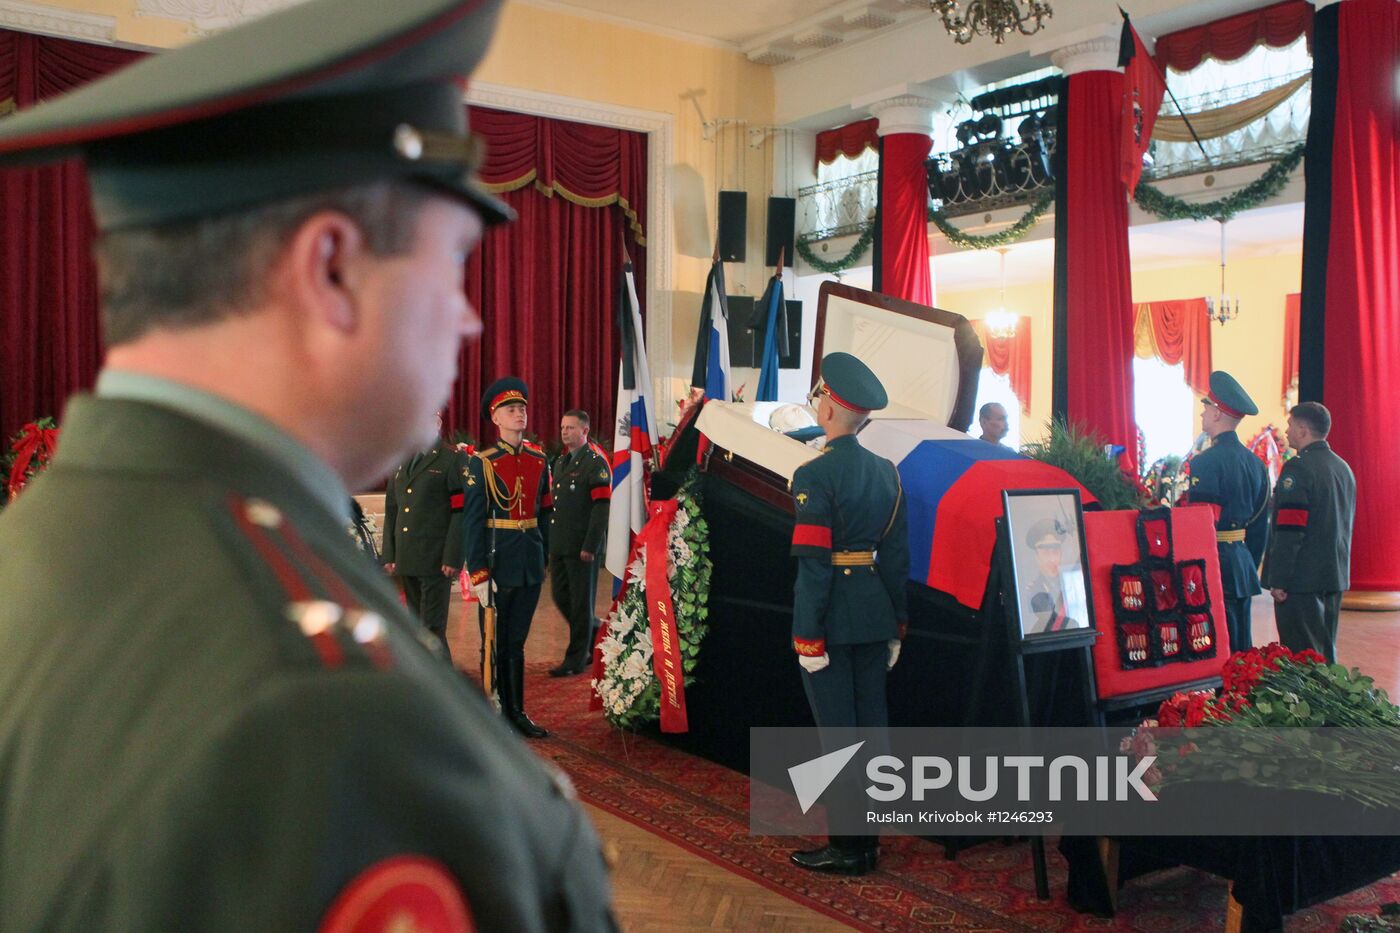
1268, 231
730, 21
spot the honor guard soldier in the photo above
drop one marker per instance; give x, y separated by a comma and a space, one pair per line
217, 716
507, 485
1230, 479
849, 611
1309, 562
582, 491
423, 537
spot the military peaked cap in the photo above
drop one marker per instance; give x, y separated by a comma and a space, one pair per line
503, 391
326, 94
1229, 396
851, 384
1046, 528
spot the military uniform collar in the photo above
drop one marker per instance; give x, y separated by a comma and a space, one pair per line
320, 480
1316, 445
845, 440
1226, 438
507, 447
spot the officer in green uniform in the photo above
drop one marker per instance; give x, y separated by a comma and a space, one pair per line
1233, 482
423, 537
582, 489
849, 605
1309, 562
507, 487
214, 713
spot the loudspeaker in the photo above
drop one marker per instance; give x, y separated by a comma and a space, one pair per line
791, 359
782, 223
745, 333
733, 226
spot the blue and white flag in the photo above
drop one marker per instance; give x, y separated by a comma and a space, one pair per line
634, 433
711, 370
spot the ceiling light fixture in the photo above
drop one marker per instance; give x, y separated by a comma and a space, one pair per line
1001, 323
995, 18
1223, 307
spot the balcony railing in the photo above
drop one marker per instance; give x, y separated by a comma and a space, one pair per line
837, 208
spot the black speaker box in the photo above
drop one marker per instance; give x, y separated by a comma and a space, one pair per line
733, 226
791, 359
745, 332
782, 235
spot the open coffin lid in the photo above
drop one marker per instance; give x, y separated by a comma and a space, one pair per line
927, 359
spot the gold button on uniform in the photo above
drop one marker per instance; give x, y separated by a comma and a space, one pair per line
847, 571
405, 508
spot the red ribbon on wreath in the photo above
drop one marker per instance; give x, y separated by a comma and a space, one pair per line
34, 445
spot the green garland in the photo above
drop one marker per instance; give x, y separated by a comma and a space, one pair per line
1002, 237
831, 267
1247, 198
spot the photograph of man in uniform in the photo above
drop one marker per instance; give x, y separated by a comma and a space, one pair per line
1050, 591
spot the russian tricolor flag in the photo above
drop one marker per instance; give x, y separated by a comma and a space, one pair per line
634, 434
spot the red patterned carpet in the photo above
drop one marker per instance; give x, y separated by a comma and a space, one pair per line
702, 807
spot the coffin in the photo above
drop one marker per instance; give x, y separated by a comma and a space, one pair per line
929, 361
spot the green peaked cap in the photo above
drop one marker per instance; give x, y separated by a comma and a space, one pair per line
326, 94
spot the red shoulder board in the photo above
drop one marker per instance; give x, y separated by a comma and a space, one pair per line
400, 893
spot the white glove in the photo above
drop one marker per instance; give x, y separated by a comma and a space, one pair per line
483, 590
895, 644
812, 665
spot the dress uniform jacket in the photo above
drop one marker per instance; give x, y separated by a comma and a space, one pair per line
1233, 482
423, 515
582, 488
1314, 507
188, 743
521, 478
848, 500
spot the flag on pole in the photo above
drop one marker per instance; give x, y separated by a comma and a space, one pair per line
711, 370
775, 338
634, 433
1143, 89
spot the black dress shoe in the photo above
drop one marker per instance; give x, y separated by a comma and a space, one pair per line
525, 727
833, 861
568, 670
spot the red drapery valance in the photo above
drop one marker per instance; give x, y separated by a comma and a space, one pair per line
592, 166
1010, 357
1176, 332
1233, 37
849, 140
1292, 306
50, 328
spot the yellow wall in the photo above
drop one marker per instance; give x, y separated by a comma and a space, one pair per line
1249, 347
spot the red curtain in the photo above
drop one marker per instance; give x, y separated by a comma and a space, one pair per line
1099, 309
547, 286
50, 328
1361, 369
903, 218
1234, 36
849, 141
1181, 334
1292, 305
1010, 357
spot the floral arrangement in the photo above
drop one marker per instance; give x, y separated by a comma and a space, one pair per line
1081, 453
30, 450
1165, 481
1274, 690
628, 688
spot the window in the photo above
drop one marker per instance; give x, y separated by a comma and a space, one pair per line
994, 388
1165, 408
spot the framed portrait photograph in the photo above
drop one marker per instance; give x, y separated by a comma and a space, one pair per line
1045, 534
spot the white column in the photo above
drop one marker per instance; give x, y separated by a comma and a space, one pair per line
1094, 48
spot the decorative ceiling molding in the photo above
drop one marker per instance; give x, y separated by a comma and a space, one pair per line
53, 21
206, 16
832, 28
661, 131
570, 9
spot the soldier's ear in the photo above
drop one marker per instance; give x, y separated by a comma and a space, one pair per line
325, 268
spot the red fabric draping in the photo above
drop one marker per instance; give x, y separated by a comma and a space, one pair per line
903, 232
1361, 370
1181, 334
546, 288
1292, 307
1011, 357
1099, 313
1234, 36
593, 166
50, 330
849, 141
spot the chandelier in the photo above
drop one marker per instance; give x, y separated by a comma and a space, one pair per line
1223, 307
995, 18
1002, 323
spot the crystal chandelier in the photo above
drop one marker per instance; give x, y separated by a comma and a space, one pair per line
1002, 323
1222, 308
995, 18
